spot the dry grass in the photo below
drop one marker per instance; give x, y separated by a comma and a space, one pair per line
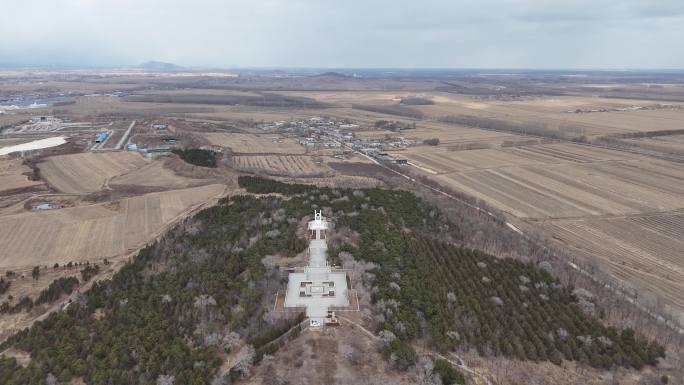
505, 371
88, 172
95, 231
330, 356
12, 175
672, 144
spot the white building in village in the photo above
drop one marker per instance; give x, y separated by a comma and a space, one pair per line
317, 288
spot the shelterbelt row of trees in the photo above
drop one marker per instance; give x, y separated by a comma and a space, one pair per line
204, 289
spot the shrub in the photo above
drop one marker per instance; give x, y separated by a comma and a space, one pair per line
89, 271
448, 373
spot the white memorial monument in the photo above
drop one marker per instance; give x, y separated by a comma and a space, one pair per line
318, 287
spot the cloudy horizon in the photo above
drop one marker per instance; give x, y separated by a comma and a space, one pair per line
582, 34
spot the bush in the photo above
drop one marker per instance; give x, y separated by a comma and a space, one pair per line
4, 285
431, 142
448, 373
89, 271
403, 354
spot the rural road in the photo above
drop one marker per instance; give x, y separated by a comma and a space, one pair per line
125, 136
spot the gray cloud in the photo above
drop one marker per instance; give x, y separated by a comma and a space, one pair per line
349, 33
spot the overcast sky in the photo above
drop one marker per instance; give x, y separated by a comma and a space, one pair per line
345, 33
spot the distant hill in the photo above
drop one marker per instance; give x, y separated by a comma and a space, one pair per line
160, 66
331, 74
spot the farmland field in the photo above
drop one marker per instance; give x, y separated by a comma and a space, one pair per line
281, 165
255, 144
155, 174
95, 231
559, 180
87, 172
673, 144
644, 251
556, 112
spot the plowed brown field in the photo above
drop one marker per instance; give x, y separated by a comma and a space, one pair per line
559, 180
281, 165
645, 251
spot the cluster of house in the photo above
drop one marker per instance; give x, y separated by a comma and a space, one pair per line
381, 156
320, 133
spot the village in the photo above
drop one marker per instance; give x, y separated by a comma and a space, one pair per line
319, 133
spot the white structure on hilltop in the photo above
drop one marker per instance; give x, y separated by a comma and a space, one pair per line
318, 287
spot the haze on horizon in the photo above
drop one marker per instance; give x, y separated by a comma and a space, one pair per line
582, 34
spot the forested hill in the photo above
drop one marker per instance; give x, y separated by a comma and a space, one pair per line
174, 311
458, 297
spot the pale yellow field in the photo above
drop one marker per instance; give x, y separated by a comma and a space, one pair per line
255, 144
452, 134
558, 180
281, 165
95, 231
442, 160
88, 172
552, 111
447, 134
